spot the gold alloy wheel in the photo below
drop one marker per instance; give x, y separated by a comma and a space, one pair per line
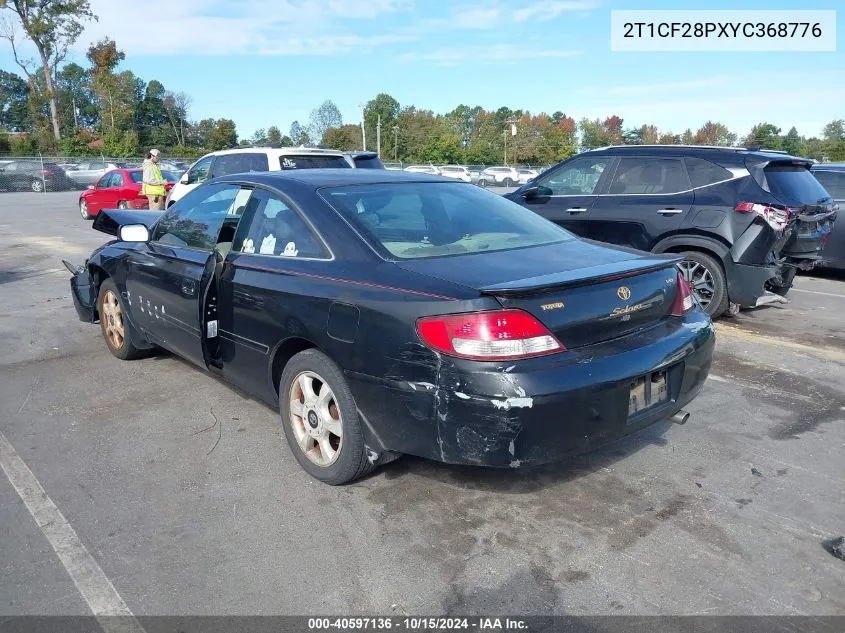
111, 318
315, 418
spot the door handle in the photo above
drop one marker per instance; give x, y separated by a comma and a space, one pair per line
576, 210
669, 211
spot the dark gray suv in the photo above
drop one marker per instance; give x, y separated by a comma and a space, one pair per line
746, 221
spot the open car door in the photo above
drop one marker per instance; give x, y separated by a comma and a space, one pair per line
171, 282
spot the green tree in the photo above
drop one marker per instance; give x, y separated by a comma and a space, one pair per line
77, 104
792, 142
14, 103
299, 134
176, 106
223, 135
345, 138
323, 117
765, 135
53, 27
259, 137
463, 122
384, 106
714, 134
834, 136
687, 137
121, 143
669, 139
274, 136
116, 93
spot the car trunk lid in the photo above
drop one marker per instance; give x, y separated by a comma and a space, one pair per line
581, 303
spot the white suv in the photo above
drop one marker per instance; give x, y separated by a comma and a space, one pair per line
459, 172
246, 159
503, 176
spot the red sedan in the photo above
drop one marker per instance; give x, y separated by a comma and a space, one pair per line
117, 189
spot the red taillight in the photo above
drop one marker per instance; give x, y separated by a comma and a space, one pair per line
46, 172
499, 335
776, 218
683, 297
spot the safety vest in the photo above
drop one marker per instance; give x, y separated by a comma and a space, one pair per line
152, 172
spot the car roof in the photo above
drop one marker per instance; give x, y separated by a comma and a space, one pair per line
280, 151
318, 178
693, 150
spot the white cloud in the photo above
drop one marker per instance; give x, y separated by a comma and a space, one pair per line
215, 27
665, 87
481, 54
552, 9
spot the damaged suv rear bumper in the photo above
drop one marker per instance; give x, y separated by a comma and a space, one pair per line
537, 411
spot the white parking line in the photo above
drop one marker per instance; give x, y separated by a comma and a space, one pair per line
96, 589
818, 292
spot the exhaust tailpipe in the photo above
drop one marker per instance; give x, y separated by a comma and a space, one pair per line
680, 417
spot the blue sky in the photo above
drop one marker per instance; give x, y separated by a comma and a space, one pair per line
269, 62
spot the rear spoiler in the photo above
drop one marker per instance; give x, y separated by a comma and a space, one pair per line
109, 221
583, 276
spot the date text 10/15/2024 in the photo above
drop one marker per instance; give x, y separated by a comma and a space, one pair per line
417, 624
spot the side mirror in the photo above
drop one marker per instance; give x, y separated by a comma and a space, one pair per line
90, 187
134, 233
184, 178
530, 192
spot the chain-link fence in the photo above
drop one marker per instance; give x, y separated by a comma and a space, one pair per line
69, 173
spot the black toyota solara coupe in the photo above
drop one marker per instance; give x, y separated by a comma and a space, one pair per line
386, 313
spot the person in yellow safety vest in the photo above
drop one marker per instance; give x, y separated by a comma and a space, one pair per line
153, 181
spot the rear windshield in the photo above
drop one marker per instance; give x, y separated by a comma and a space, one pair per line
795, 184
422, 220
313, 162
368, 162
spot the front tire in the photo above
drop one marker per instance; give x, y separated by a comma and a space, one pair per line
320, 420
37, 186
507, 182
83, 210
116, 328
707, 278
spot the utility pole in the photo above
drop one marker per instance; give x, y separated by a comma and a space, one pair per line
511, 127
395, 143
378, 136
363, 130
505, 133
75, 120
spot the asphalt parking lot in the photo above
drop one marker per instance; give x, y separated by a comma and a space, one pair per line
185, 494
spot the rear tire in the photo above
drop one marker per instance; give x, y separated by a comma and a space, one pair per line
37, 186
117, 331
322, 426
707, 278
507, 182
122, 205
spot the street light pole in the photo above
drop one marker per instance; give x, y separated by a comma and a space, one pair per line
395, 143
363, 130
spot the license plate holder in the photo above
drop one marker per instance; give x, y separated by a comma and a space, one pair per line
647, 392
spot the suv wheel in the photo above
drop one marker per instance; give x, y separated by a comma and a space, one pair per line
707, 278
37, 186
507, 182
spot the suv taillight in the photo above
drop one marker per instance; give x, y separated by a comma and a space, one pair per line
777, 218
497, 335
683, 297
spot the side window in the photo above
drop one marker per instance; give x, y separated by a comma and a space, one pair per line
833, 182
105, 182
116, 179
579, 178
199, 173
239, 163
649, 176
271, 227
196, 220
703, 172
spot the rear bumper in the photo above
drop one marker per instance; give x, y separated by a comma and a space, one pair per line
537, 411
